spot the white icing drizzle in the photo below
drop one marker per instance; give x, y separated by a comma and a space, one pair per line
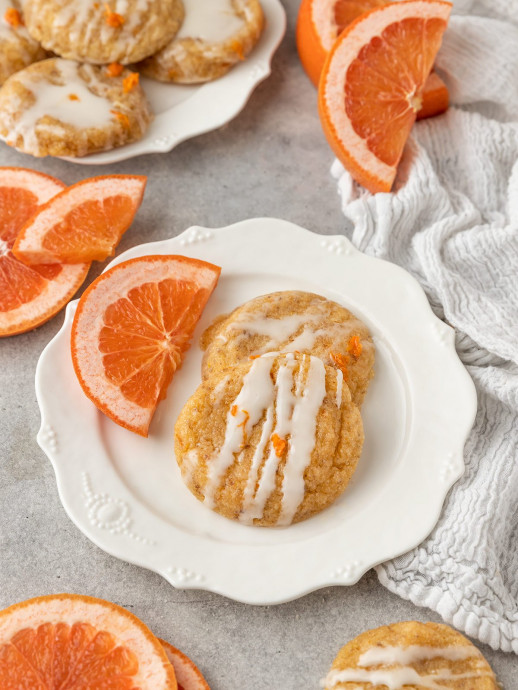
413, 653
219, 388
304, 341
84, 22
84, 110
189, 462
284, 402
277, 330
249, 509
288, 408
302, 430
397, 678
254, 397
213, 21
339, 387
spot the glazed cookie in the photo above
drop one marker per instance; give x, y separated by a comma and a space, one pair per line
215, 35
17, 48
274, 441
410, 656
122, 31
62, 108
293, 321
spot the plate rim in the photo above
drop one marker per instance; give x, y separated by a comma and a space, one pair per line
337, 248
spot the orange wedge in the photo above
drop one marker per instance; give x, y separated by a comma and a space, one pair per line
29, 296
73, 642
319, 24
131, 330
83, 223
188, 675
372, 84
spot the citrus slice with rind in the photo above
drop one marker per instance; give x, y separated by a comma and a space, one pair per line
188, 675
85, 222
29, 296
372, 83
319, 24
74, 642
131, 330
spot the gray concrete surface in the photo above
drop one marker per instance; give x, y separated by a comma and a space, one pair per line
271, 160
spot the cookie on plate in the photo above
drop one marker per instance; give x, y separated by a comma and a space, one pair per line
17, 48
62, 108
215, 35
122, 31
412, 655
293, 321
274, 441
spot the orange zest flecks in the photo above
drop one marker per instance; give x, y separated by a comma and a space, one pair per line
233, 410
73, 97
237, 47
115, 69
245, 420
254, 356
130, 82
122, 118
13, 17
354, 346
113, 19
243, 424
279, 445
340, 361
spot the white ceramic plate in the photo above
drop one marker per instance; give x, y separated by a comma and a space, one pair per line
126, 494
182, 112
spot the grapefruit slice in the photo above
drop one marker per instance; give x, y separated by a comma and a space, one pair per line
85, 222
372, 84
73, 642
319, 24
29, 296
131, 330
188, 675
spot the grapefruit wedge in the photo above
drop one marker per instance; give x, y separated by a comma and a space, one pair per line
188, 675
74, 642
29, 295
319, 24
131, 330
372, 84
85, 222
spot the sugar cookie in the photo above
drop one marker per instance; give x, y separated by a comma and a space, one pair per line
275, 441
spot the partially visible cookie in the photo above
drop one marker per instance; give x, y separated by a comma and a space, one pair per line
215, 35
293, 321
17, 48
413, 656
62, 108
122, 31
275, 441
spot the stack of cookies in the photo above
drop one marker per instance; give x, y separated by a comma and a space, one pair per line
87, 99
273, 434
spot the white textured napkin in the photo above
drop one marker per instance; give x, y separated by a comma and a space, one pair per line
452, 221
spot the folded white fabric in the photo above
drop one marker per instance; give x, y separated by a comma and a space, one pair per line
452, 221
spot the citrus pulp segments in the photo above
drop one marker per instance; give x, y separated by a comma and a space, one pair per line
47, 303
154, 670
44, 236
350, 147
110, 287
188, 675
57, 291
42, 186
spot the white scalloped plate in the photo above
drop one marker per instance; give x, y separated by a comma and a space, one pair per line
183, 112
126, 494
